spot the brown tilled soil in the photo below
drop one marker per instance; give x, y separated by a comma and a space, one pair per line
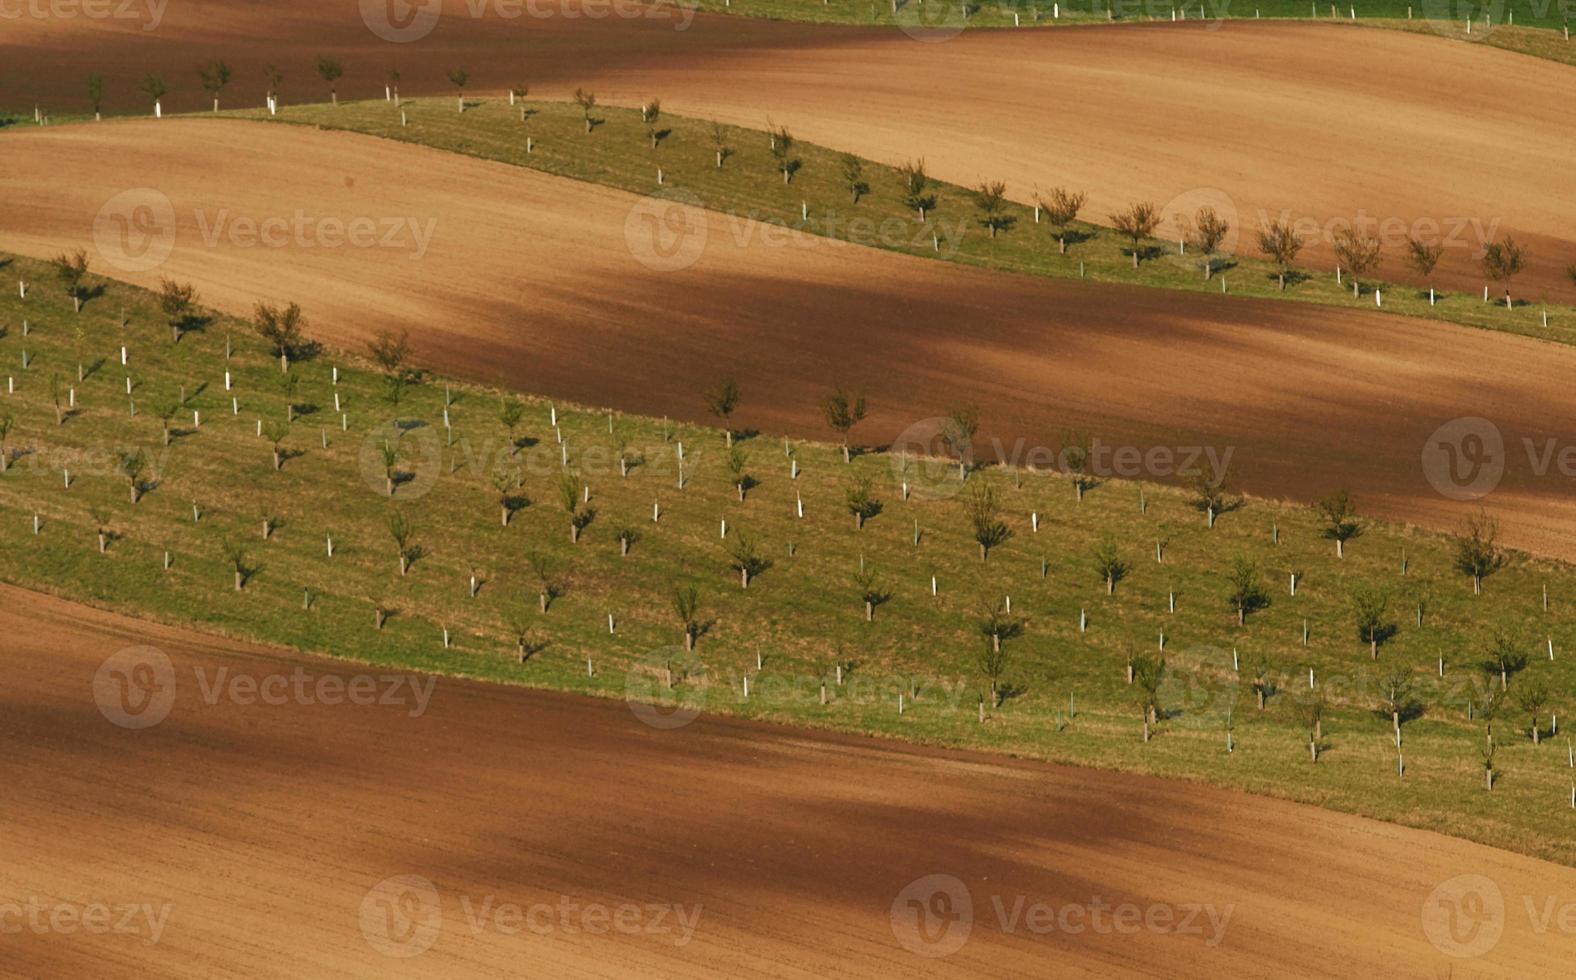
1325, 122
531, 280
258, 838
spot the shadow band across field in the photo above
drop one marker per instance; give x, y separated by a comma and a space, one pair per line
799, 849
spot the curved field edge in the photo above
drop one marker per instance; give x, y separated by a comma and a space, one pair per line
1538, 30
1067, 698
618, 154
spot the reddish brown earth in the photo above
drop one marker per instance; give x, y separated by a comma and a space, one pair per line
1440, 139
530, 280
258, 837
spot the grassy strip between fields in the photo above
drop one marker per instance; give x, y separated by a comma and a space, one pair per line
214, 502
817, 200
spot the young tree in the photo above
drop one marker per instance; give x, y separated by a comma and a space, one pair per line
1077, 452
991, 200
7, 423
587, 102
627, 538
651, 114
871, 591
915, 186
862, 503
721, 400
272, 79
56, 387
1148, 677
1424, 257
1359, 254
282, 329
509, 499
746, 558
391, 353
1502, 260
96, 95
549, 583
1506, 654
1310, 711
215, 75
459, 77
719, 143
154, 87
510, 413
404, 535
331, 70
1477, 549
72, 268
1370, 606
1061, 208
580, 517
998, 624
686, 605
1396, 695
984, 516
389, 454
1108, 563
782, 152
178, 302
993, 664
958, 430
1279, 243
132, 465
854, 176
239, 561
1204, 231
843, 410
276, 433
1247, 591
1212, 494
1339, 511
1136, 223
1532, 696
738, 465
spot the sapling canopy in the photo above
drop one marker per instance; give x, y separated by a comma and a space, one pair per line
331, 69
1339, 511
1279, 242
843, 410
71, 268
721, 400
214, 75
990, 198
1502, 260
1477, 549
854, 176
1061, 208
1136, 223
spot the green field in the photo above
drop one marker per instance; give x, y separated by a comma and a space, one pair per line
618, 153
209, 493
938, 14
